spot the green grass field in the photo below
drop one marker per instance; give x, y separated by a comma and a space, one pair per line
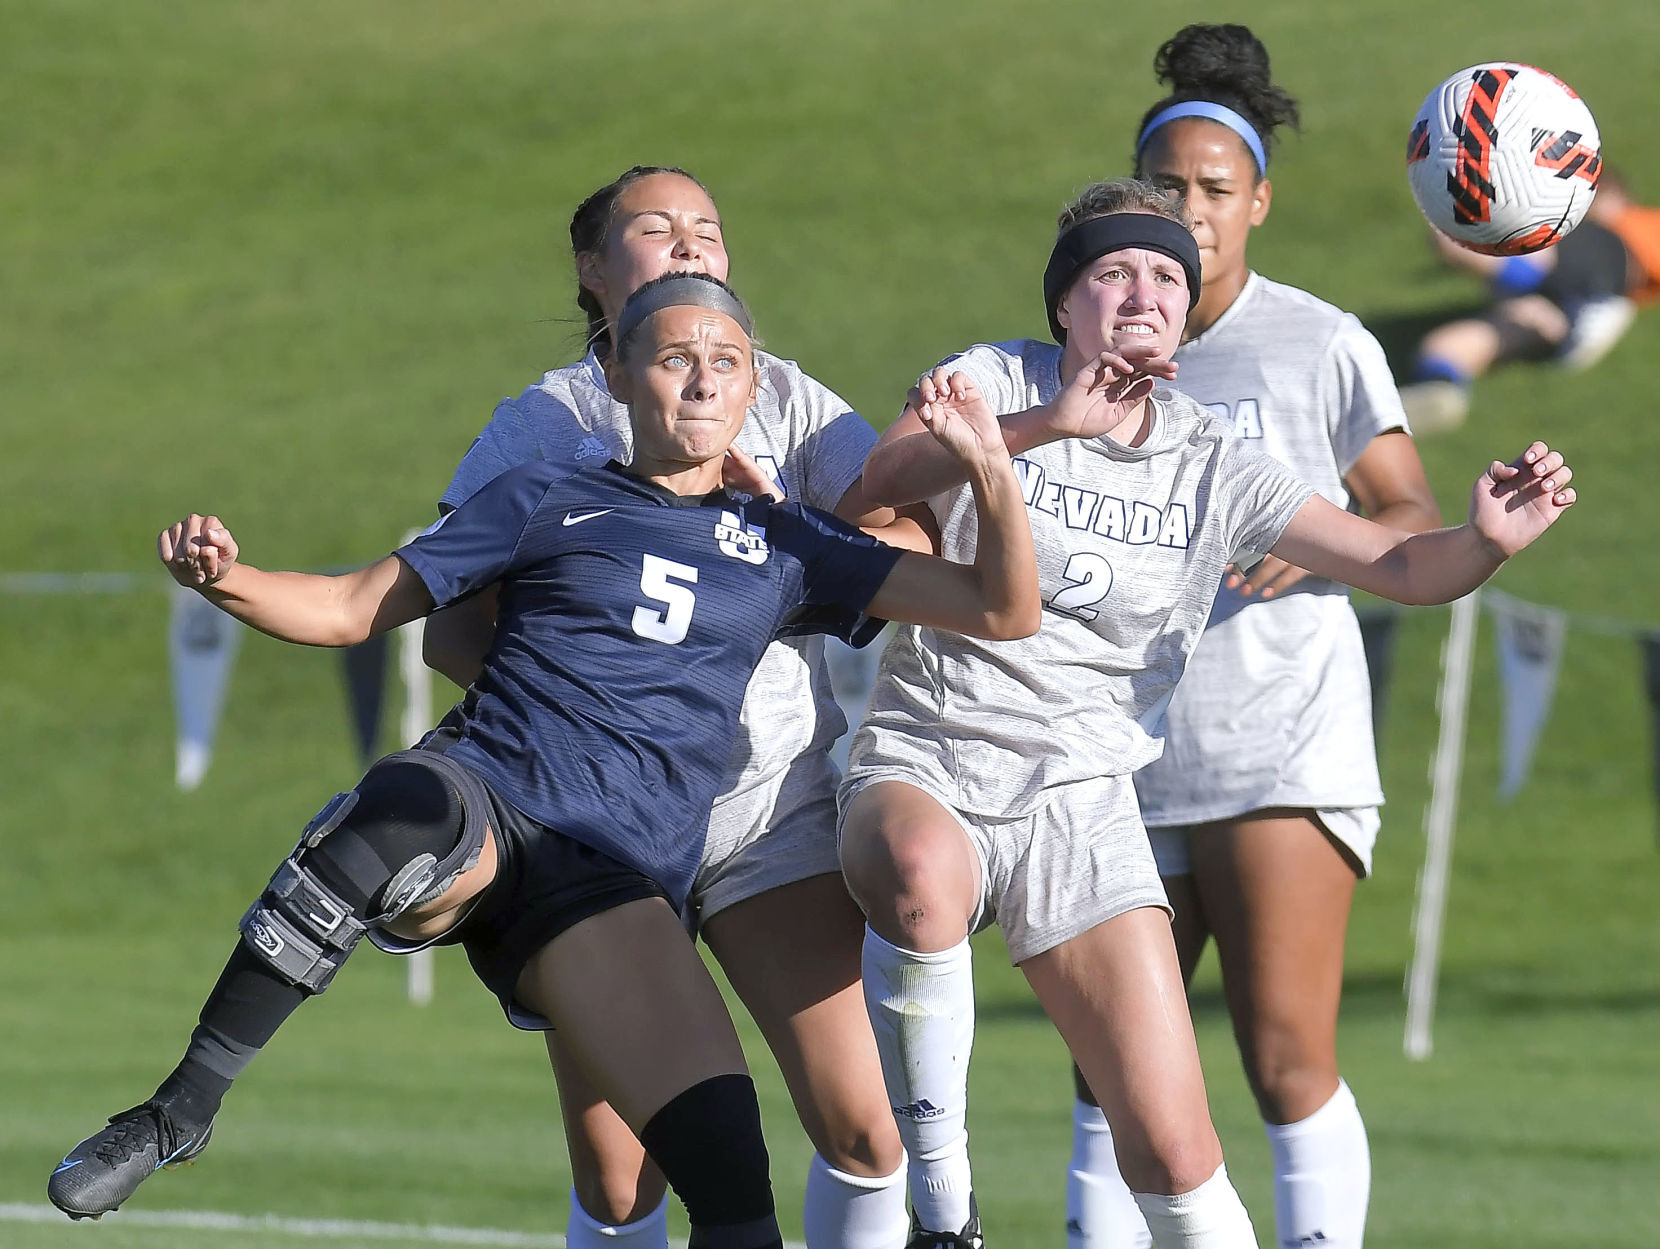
278, 261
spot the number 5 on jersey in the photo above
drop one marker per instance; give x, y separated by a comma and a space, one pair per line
660, 581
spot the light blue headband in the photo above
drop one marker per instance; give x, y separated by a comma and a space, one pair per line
1211, 112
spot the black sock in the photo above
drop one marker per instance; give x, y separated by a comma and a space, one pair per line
244, 1011
404, 810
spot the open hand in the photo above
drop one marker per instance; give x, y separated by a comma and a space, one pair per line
198, 550
1270, 577
954, 411
1106, 392
1512, 504
742, 475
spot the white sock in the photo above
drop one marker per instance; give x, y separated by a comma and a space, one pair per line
584, 1231
922, 1011
1101, 1212
1322, 1176
1209, 1217
843, 1211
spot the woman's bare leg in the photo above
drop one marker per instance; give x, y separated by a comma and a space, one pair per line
792, 954
1278, 892
1116, 995
641, 1017
1101, 1212
614, 1182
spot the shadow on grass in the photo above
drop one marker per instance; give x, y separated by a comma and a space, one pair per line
1401, 332
1491, 993
1496, 993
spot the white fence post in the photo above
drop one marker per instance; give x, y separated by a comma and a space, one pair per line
416, 722
1440, 818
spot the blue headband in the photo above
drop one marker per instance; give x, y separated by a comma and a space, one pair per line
1211, 112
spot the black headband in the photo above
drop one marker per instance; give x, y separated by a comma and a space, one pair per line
1092, 239
679, 291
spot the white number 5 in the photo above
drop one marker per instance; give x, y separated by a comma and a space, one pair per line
657, 580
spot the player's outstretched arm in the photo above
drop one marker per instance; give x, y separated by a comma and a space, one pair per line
307, 608
997, 595
907, 466
1510, 505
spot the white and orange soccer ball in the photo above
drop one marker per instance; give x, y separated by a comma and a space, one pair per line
1504, 158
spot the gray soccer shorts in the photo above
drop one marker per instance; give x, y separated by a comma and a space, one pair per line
780, 830
1080, 859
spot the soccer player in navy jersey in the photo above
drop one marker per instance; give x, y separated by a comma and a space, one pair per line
558, 834
768, 901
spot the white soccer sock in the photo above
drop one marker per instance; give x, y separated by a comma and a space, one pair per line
922, 1010
1322, 1175
843, 1211
1101, 1212
1209, 1217
584, 1231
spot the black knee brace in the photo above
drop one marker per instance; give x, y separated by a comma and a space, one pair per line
708, 1143
399, 839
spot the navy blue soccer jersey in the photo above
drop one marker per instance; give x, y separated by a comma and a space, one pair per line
631, 620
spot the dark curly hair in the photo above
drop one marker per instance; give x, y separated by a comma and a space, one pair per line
590, 225
1227, 65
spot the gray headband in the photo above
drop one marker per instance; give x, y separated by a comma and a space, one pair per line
681, 290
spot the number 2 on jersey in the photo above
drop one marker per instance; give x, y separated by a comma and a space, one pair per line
1089, 580
659, 581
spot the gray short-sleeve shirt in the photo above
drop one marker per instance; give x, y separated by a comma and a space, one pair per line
1275, 710
1131, 543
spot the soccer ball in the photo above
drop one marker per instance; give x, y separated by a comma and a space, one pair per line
1504, 158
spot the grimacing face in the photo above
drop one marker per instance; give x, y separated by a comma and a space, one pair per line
688, 377
663, 223
1132, 302
1213, 171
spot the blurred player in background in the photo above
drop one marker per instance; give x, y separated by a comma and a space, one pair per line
1264, 805
1569, 303
992, 783
558, 828
769, 898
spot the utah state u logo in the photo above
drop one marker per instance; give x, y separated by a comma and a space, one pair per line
741, 541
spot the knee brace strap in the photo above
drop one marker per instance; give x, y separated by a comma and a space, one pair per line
300, 926
305, 930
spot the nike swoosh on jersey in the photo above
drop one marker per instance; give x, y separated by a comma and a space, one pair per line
576, 518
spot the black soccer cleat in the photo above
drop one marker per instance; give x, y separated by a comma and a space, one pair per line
968, 1238
107, 1167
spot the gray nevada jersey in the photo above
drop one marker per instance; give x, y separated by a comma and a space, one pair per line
1131, 543
1275, 710
805, 437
